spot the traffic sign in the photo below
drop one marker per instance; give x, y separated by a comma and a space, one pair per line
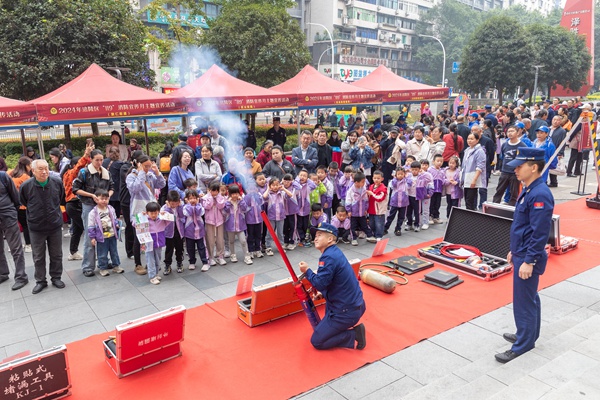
455, 67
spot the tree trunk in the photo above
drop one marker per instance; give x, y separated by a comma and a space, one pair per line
95, 131
67, 130
549, 91
500, 94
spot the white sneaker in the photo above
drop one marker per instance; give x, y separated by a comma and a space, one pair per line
371, 239
104, 272
227, 254
117, 270
269, 251
291, 246
68, 234
75, 257
362, 235
221, 261
355, 242
248, 260
285, 246
259, 254
425, 227
233, 258
431, 221
212, 262
155, 280
192, 267
417, 229
28, 249
205, 268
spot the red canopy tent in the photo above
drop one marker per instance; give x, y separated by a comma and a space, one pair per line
396, 89
16, 114
95, 95
316, 90
216, 90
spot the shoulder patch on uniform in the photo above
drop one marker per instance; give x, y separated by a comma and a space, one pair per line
538, 205
321, 263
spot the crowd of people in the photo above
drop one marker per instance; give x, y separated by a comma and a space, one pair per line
391, 177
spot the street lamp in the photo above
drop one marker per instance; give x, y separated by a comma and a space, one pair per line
331, 40
444, 51
537, 69
319, 62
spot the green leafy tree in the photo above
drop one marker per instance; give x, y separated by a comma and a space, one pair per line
259, 40
46, 43
566, 61
452, 22
180, 35
497, 63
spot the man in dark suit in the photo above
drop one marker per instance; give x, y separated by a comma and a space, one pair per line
305, 156
557, 135
462, 130
324, 151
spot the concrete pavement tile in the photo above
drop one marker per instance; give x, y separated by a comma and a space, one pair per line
221, 292
554, 309
498, 321
191, 301
425, 362
118, 303
564, 368
552, 329
558, 345
76, 276
31, 345
53, 299
109, 323
591, 377
518, 368
63, 318
587, 328
167, 290
6, 294
72, 334
395, 390
437, 389
573, 390
223, 275
321, 393
583, 296
13, 309
469, 341
365, 380
17, 330
590, 278
262, 279
278, 274
142, 280
595, 307
590, 348
104, 286
526, 388
482, 366
201, 281
480, 388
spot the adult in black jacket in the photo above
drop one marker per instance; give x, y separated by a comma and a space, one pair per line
387, 148
277, 134
490, 150
125, 200
42, 195
557, 134
9, 229
179, 148
113, 165
278, 166
324, 151
463, 131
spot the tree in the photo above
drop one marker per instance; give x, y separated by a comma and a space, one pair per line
259, 40
45, 44
451, 22
566, 61
497, 63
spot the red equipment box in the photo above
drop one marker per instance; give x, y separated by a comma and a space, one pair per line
146, 341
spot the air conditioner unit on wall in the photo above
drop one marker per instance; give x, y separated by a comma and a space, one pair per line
364, 40
348, 2
345, 21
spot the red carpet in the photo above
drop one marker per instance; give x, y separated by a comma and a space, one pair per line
224, 359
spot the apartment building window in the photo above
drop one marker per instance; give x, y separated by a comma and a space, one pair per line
369, 1
385, 53
405, 56
386, 19
389, 3
361, 14
373, 52
366, 33
346, 50
394, 55
211, 10
340, 13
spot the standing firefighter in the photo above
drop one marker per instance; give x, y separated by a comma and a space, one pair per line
337, 282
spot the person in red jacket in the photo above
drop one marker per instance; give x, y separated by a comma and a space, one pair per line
378, 201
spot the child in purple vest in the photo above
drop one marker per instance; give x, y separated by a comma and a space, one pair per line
303, 195
275, 201
452, 187
291, 210
423, 194
333, 175
317, 217
103, 230
439, 176
413, 210
254, 221
213, 203
157, 228
235, 223
174, 233
344, 183
357, 204
341, 221
193, 230
398, 200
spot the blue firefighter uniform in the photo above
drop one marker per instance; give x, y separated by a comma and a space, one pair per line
528, 237
336, 280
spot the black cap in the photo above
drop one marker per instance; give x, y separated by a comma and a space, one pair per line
183, 137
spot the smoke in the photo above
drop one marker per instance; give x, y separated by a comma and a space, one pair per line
196, 60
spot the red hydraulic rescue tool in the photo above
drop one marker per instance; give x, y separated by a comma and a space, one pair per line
304, 295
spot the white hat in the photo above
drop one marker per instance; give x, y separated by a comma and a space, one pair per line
586, 106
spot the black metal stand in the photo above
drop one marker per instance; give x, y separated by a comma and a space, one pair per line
581, 190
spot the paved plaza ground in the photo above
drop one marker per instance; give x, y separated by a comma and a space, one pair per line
458, 363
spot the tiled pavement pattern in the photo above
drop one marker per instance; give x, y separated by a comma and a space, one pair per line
565, 364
